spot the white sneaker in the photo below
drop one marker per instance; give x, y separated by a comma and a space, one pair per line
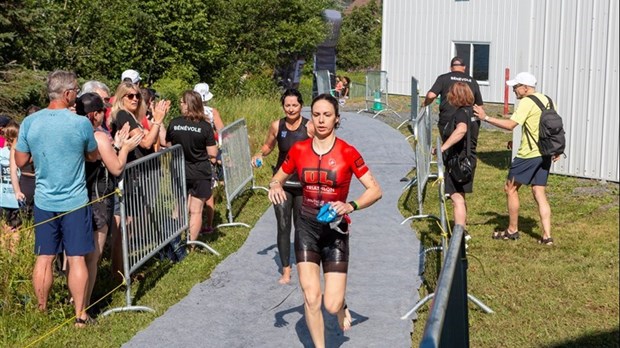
467, 236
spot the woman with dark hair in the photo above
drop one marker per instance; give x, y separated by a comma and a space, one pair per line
454, 139
285, 132
195, 135
325, 165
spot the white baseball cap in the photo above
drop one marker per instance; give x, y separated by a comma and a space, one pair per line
131, 74
203, 89
523, 78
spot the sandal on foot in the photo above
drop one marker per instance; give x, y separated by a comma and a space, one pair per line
510, 236
504, 234
546, 241
81, 323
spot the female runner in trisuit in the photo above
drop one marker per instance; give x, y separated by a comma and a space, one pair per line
285, 132
325, 165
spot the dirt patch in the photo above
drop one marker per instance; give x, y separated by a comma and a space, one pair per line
591, 191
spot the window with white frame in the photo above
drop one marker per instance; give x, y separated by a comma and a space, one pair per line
476, 56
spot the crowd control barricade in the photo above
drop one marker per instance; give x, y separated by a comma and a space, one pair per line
376, 96
357, 90
444, 242
153, 204
323, 82
422, 142
448, 324
236, 165
415, 98
441, 192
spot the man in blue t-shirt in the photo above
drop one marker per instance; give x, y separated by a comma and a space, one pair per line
59, 142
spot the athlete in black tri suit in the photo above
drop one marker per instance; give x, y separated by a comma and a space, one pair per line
325, 165
285, 132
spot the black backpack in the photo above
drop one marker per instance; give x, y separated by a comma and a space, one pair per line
551, 139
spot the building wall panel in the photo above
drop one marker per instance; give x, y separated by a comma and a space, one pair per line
570, 45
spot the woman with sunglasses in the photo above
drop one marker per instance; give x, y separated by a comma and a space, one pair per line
325, 166
129, 107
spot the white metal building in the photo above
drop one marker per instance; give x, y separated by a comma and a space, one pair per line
571, 46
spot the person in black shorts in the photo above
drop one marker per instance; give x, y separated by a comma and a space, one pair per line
325, 166
455, 144
285, 132
195, 135
442, 86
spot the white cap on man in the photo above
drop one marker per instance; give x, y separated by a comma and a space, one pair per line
203, 89
133, 75
523, 78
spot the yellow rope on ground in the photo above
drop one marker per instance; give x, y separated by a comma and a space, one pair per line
116, 191
75, 316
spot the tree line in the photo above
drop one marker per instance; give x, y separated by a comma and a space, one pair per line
233, 44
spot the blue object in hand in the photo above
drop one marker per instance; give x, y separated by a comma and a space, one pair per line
259, 162
326, 214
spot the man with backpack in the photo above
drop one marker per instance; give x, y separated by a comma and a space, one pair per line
533, 161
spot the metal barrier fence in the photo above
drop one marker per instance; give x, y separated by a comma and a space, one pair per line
376, 95
323, 82
441, 193
357, 90
415, 97
422, 133
444, 226
154, 211
236, 165
448, 324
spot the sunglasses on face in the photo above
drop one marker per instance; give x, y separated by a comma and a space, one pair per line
514, 88
132, 96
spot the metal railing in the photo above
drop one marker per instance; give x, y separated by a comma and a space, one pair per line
447, 324
422, 134
415, 97
323, 82
236, 165
377, 94
154, 211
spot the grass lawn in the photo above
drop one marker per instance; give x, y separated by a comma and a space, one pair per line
560, 296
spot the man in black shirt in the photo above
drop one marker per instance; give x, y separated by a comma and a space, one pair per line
442, 86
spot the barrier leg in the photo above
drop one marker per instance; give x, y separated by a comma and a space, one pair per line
204, 245
418, 306
402, 124
480, 304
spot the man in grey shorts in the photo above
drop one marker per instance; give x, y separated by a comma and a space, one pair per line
529, 167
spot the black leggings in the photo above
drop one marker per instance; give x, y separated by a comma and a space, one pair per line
284, 212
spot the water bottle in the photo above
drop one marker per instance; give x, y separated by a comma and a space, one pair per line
259, 162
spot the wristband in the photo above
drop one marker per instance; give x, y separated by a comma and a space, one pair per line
486, 118
354, 205
116, 148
